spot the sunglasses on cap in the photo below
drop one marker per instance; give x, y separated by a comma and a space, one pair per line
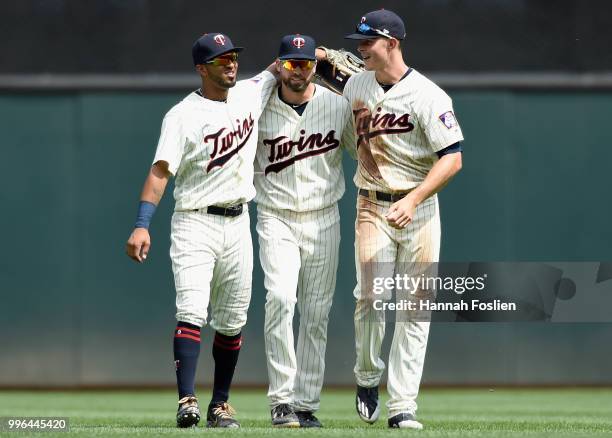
225, 59
366, 29
292, 64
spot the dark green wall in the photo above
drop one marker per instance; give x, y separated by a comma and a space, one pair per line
75, 310
469, 36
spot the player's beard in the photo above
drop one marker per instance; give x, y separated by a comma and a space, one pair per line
298, 85
220, 78
223, 82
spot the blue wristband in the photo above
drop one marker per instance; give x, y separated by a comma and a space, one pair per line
145, 214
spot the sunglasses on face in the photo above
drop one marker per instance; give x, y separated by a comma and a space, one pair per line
225, 59
292, 64
366, 29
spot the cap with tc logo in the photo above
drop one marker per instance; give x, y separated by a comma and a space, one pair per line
381, 23
297, 47
211, 45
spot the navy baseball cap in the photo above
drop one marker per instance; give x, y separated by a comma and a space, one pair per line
211, 45
297, 47
381, 23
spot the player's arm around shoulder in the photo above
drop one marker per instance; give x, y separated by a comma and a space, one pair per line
139, 242
259, 88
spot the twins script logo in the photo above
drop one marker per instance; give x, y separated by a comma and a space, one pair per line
368, 127
227, 143
299, 42
220, 39
307, 146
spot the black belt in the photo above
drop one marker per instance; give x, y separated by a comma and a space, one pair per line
381, 196
233, 211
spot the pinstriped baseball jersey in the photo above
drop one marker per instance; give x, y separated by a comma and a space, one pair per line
210, 145
298, 163
398, 132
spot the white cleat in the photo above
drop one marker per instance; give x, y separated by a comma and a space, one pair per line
404, 420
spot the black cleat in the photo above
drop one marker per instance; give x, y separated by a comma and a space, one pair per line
404, 420
188, 414
366, 403
221, 415
307, 419
284, 416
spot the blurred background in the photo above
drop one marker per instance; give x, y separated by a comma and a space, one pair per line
84, 87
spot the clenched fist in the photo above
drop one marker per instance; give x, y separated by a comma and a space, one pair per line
137, 246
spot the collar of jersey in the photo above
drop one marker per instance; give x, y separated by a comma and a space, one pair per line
199, 93
278, 94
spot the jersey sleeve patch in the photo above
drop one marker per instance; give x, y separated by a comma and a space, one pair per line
449, 120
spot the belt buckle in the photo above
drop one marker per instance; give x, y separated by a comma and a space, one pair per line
233, 210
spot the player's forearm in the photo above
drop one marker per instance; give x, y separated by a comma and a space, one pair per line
439, 175
272, 69
155, 184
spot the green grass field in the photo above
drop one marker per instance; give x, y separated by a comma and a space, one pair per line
444, 413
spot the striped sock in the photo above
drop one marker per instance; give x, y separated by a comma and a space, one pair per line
225, 353
186, 353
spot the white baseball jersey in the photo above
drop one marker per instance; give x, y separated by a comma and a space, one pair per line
298, 164
398, 132
210, 145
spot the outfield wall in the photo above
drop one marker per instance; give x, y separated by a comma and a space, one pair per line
75, 310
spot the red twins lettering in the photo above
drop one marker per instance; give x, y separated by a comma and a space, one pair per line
368, 126
387, 123
224, 139
307, 146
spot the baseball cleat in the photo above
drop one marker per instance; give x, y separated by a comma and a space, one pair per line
284, 416
366, 403
221, 415
307, 419
404, 420
188, 414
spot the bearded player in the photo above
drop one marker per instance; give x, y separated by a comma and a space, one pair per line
299, 180
208, 143
408, 149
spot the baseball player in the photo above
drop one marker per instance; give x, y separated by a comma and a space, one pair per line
299, 180
208, 143
408, 147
